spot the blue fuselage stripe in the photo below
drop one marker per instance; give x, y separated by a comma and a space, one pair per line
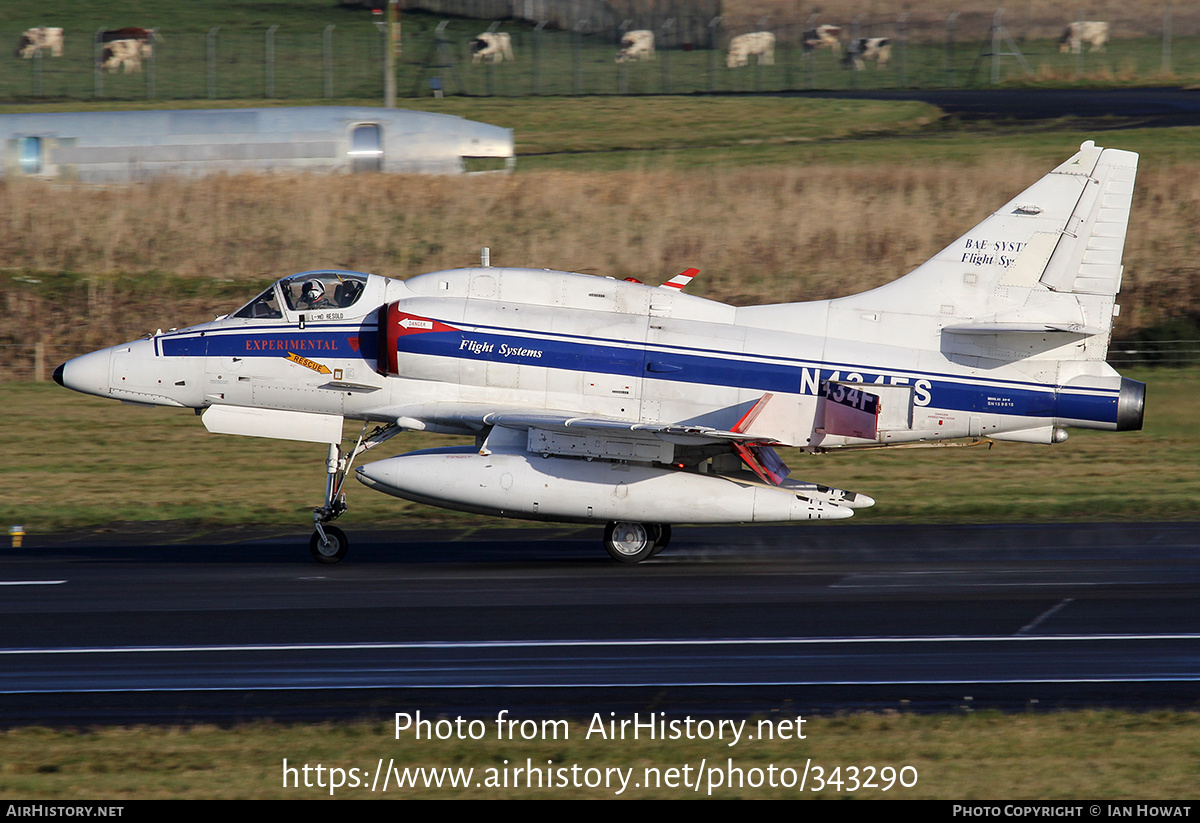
675, 364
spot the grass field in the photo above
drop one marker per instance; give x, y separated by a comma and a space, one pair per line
320, 49
972, 756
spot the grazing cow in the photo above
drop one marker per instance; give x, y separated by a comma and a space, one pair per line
636, 45
761, 43
859, 51
35, 40
126, 48
492, 47
125, 54
128, 33
1092, 32
823, 36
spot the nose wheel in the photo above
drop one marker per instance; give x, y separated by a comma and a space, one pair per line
329, 547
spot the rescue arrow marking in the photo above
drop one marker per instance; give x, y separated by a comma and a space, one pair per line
308, 364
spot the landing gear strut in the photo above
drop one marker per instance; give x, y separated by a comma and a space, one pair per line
328, 544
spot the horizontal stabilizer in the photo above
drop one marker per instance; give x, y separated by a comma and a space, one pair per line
1023, 328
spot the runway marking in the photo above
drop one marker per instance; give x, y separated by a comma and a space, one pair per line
31, 582
269, 687
514, 644
964, 579
1041, 618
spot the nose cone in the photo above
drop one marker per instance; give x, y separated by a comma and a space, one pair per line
88, 373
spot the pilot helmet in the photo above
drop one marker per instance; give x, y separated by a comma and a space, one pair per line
313, 290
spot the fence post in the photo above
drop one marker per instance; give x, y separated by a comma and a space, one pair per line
950, 22
1079, 54
212, 62
902, 36
151, 75
996, 46
97, 69
327, 49
269, 62
665, 54
714, 37
855, 35
1166, 50
577, 41
391, 45
39, 362
537, 57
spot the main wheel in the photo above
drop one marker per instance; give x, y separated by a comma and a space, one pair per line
330, 550
629, 542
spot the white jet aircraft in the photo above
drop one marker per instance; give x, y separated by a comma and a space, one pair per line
594, 400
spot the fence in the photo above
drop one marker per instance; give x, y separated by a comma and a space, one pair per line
346, 61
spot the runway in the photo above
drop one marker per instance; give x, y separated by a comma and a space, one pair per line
1104, 109
139, 627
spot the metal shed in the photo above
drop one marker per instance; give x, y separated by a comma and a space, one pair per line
116, 146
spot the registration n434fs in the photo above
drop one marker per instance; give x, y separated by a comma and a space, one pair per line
595, 400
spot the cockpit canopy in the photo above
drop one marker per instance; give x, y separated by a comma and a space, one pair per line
308, 291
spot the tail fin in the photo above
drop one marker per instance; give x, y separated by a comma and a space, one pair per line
1047, 262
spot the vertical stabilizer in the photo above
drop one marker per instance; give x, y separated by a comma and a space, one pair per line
1047, 262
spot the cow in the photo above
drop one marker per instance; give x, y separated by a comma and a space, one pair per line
492, 47
823, 36
761, 43
128, 33
126, 48
1092, 32
39, 39
859, 51
636, 45
125, 54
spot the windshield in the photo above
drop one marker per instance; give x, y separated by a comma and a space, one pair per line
265, 305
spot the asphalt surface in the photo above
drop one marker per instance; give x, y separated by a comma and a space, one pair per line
1104, 108
143, 628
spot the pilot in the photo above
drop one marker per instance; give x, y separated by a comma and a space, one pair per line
312, 296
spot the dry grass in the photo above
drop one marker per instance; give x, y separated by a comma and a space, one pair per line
757, 234
1088, 755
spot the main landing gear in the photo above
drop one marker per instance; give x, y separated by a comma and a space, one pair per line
635, 542
328, 543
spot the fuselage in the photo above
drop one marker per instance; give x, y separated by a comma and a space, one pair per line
433, 351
